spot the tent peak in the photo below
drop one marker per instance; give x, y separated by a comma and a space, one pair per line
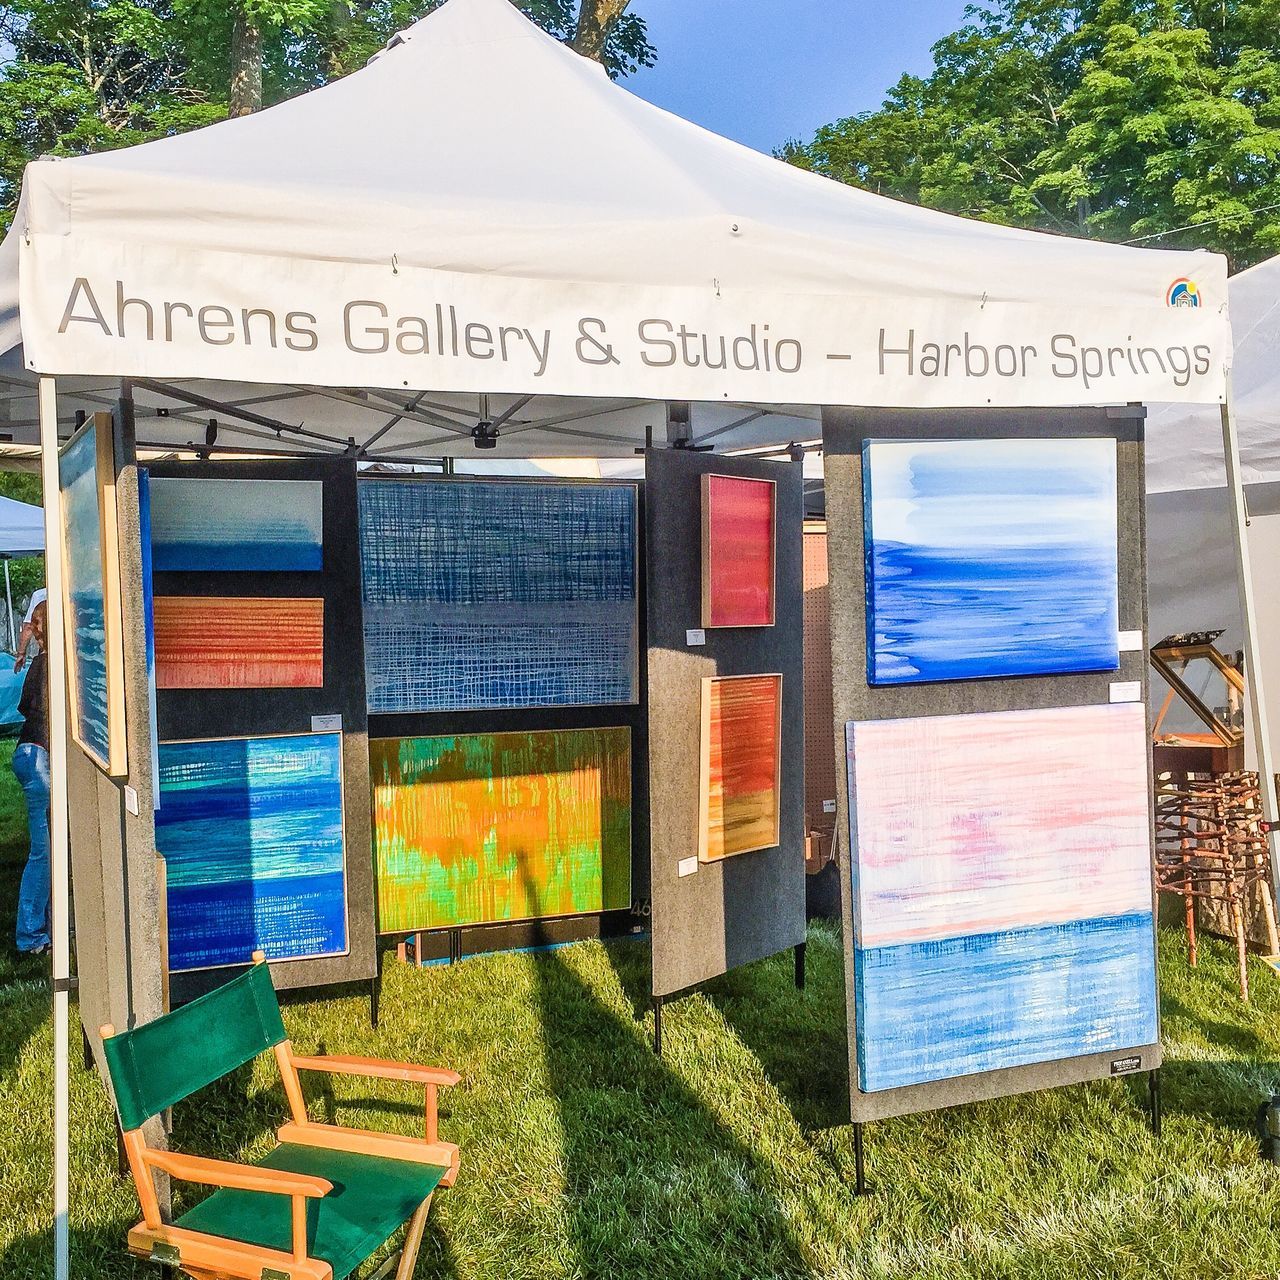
464, 22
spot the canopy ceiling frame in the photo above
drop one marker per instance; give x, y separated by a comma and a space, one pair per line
353, 247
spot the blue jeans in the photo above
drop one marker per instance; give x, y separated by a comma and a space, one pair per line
31, 766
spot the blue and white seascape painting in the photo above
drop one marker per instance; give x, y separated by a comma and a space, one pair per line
1001, 889
236, 526
85, 593
482, 594
989, 558
252, 837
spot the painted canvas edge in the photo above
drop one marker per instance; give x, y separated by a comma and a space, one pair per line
707, 624
342, 810
570, 915
113, 616
704, 771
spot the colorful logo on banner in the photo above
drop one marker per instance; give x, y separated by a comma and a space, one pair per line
1183, 293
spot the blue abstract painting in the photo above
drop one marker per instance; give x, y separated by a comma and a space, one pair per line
236, 526
86, 600
252, 837
149, 623
989, 558
1001, 878
483, 594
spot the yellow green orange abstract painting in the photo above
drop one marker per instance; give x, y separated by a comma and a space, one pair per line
489, 827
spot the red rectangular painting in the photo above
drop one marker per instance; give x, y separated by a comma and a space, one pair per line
737, 552
236, 642
740, 765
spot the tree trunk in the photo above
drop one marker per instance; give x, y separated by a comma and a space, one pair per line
595, 18
246, 64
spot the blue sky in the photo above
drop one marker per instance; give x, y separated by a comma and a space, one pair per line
761, 71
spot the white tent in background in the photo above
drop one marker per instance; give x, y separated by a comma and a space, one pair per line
1191, 551
479, 241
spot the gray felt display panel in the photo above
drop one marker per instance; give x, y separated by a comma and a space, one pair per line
751, 905
844, 431
184, 714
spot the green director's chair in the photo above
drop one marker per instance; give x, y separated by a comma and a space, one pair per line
322, 1202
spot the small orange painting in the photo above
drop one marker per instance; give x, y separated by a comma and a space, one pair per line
741, 765
238, 642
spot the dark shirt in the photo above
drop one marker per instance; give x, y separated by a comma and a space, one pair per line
33, 706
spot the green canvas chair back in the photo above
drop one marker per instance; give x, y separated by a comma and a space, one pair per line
156, 1065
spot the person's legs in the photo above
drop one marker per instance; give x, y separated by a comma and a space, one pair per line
31, 766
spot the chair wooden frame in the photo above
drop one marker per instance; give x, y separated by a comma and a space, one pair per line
208, 1257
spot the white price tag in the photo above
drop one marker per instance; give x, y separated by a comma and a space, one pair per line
1130, 642
326, 724
131, 799
1126, 691
687, 866
695, 637
828, 806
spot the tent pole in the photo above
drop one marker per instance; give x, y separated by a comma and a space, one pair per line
56, 676
8, 599
1254, 680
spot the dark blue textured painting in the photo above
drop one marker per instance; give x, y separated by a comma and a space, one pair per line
149, 622
989, 558
498, 594
86, 597
251, 833
236, 526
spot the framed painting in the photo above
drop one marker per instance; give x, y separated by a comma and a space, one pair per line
738, 556
251, 830
495, 827
208, 525
91, 594
499, 594
740, 776
989, 558
1002, 898
239, 642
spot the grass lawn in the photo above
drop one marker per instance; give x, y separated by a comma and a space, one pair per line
583, 1155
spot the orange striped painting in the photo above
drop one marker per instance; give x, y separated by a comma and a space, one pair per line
237, 642
741, 765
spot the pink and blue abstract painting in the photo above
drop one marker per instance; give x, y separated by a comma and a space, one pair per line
236, 526
989, 558
252, 837
1002, 891
490, 594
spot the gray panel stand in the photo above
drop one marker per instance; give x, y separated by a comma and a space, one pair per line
118, 903
844, 431
717, 915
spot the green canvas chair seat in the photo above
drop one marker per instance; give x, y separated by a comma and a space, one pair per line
320, 1204
372, 1198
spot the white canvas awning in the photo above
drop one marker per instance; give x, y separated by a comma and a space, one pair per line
481, 210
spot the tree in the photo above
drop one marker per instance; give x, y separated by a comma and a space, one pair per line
1117, 119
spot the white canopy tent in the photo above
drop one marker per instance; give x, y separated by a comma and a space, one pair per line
21, 534
479, 241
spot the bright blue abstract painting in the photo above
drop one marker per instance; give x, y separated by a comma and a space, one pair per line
1002, 899
236, 526
85, 594
149, 623
482, 594
989, 558
251, 833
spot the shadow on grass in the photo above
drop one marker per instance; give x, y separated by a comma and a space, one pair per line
655, 1184
99, 1251
798, 1037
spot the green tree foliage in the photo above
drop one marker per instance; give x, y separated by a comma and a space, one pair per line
26, 574
1116, 119
92, 75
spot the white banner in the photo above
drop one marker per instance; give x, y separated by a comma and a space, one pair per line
96, 307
